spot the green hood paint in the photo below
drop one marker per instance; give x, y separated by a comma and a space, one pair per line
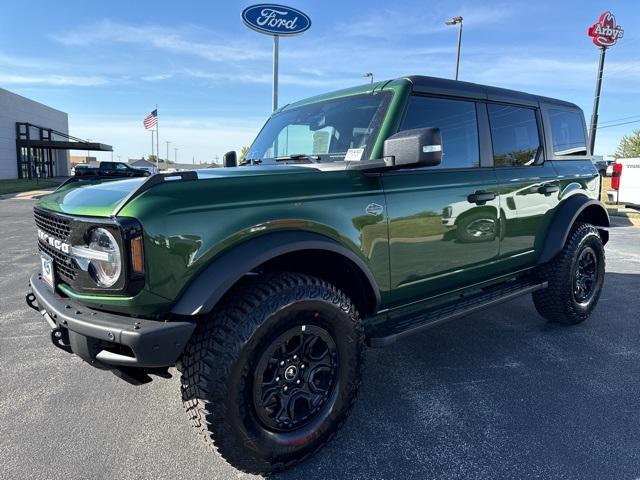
99, 198
92, 199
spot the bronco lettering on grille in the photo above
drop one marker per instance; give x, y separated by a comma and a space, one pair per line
54, 242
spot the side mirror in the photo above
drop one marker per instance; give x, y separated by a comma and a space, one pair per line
230, 159
419, 147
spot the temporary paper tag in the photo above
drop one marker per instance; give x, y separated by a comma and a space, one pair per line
354, 155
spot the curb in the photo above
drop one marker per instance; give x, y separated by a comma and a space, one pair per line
31, 195
624, 212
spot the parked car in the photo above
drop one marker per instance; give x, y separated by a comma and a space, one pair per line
79, 166
263, 283
111, 170
625, 182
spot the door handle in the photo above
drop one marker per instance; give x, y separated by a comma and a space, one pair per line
480, 197
548, 189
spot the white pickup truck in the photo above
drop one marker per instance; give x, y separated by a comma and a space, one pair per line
625, 182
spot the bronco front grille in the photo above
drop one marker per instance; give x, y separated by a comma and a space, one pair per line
52, 224
64, 266
59, 227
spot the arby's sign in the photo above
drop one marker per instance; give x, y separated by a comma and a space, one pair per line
605, 33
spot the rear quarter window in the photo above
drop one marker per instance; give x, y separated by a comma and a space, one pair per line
567, 133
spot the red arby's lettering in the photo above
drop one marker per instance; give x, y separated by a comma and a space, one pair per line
605, 33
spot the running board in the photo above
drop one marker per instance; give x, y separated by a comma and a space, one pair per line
388, 332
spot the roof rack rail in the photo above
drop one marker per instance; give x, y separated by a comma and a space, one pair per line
152, 181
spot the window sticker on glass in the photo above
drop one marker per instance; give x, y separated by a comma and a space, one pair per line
354, 155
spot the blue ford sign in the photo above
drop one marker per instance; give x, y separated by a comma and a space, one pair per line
276, 20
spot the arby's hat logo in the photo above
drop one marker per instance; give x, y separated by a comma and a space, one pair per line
605, 33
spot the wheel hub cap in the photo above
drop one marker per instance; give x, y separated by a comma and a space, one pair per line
295, 377
291, 373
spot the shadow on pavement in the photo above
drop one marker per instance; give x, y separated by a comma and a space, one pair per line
501, 395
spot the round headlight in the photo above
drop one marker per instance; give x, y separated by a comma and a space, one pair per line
105, 273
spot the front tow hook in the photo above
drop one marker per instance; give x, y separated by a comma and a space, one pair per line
60, 338
30, 298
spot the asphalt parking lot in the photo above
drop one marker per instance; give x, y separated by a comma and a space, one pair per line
499, 395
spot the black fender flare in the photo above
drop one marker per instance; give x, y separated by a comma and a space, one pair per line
565, 216
202, 294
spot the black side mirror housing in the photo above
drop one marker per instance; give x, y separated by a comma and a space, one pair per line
230, 159
419, 147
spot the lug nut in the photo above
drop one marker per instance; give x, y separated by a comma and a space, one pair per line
297, 382
295, 357
302, 366
286, 388
282, 363
277, 379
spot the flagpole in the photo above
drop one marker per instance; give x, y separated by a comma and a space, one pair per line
157, 140
152, 142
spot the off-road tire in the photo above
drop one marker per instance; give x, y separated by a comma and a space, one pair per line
220, 361
558, 302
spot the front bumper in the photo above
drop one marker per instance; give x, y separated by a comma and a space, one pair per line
106, 340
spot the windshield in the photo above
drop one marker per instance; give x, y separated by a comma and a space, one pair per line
323, 131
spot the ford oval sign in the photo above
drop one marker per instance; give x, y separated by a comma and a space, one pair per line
277, 20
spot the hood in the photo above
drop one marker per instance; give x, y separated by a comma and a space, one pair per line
99, 198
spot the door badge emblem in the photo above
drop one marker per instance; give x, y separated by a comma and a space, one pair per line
374, 209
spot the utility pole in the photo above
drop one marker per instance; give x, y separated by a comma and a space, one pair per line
596, 102
167, 142
370, 75
175, 155
457, 20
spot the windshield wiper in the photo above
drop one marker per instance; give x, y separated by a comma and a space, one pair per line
250, 161
299, 156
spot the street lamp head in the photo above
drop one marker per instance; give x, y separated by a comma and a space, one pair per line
454, 21
367, 74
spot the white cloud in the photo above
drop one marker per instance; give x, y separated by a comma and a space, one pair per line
163, 38
55, 80
422, 20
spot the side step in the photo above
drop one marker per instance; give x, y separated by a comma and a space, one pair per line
388, 332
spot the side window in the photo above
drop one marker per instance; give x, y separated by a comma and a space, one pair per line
458, 125
120, 166
514, 132
567, 133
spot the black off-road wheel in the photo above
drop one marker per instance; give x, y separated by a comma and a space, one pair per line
575, 277
274, 373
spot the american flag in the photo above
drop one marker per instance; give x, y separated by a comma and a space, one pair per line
151, 120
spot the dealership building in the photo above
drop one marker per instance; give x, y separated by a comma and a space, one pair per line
35, 140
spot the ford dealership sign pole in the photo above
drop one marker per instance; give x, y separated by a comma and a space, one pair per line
277, 21
604, 33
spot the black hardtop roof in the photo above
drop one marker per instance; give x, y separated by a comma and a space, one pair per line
456, 88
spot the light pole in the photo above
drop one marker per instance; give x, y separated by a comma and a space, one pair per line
167, 142
369, 74
175, 155
457, 20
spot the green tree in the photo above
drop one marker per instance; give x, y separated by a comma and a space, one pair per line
629, 146
243, 153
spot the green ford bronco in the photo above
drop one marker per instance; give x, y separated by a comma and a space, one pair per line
357, 218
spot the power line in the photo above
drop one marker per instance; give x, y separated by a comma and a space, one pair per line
618, 124
621, 118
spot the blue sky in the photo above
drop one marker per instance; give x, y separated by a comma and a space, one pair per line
108, 63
